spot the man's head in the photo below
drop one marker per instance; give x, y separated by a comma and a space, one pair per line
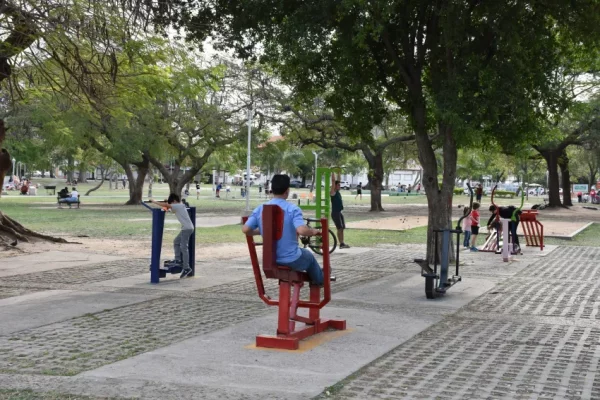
74, 189
492, 208
280, 185
173, 198
337, 185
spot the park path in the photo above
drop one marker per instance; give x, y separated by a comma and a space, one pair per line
98, 328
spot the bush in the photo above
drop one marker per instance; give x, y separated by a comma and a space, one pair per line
504, 193
458, 191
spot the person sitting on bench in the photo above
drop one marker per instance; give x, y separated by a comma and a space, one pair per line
289, 254
63, 193
506, 213
74, 197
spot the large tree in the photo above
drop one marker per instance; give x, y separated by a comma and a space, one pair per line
25, 26
462, 71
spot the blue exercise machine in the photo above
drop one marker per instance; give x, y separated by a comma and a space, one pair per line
158, 225
436, 284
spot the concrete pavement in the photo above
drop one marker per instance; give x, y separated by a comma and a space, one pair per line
102, 330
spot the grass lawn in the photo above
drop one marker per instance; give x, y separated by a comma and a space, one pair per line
103, 215
106, 217
589, 237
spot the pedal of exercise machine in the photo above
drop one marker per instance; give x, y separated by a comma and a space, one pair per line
171, 267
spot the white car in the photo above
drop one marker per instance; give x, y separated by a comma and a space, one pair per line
345, 185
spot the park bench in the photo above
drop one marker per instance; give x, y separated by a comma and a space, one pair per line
290, 284
50, 188
68, 201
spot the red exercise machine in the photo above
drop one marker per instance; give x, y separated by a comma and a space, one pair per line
533, 230
290, 284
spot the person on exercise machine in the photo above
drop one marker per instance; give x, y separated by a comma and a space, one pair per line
289, 254
182, 240
506, 213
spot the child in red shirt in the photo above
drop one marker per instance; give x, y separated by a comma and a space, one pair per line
474, 226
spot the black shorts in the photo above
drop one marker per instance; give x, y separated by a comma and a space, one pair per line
474, 230
338, 220
359, 191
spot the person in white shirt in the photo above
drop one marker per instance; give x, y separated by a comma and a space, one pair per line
74, 195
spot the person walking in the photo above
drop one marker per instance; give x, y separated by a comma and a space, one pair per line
474, 226
197, 190
337, 206
479, 192
359, 191
182, 240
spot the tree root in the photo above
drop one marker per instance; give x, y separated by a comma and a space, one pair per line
17, 231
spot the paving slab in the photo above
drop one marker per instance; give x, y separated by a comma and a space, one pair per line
227, 362
50, 260
43, 308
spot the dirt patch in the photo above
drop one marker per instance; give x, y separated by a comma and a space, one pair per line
399, 223
127, 248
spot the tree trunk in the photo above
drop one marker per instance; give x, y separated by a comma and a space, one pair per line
150, 182
592, 175
82, 174
136, 185
551, 157
11, 230
175, 180
375, 177
70, 169
439, 202
102, 178
563, 163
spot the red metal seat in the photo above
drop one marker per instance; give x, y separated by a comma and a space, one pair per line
290, 285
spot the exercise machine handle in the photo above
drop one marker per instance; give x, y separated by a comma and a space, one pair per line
513, 217
459, 223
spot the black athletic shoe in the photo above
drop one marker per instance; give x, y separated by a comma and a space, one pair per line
332, 278
344, 246
185, 273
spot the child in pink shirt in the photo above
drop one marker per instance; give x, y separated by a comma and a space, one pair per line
466, 227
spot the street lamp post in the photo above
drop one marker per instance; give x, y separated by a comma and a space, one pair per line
13, 170
248, 160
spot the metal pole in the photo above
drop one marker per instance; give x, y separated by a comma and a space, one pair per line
13, 170
315, 175
248, 160
214, 188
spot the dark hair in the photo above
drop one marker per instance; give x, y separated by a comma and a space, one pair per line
172, 198
492, 208
337, 182
73, 188
280, 183
476, 206
465, 210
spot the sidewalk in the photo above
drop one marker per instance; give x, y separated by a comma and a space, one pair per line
100, 329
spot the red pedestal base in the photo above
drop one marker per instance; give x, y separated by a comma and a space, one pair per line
292, 341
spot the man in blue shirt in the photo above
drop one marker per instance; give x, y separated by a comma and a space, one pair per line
289, 254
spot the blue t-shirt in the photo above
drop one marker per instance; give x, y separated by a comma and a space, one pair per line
287, 247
